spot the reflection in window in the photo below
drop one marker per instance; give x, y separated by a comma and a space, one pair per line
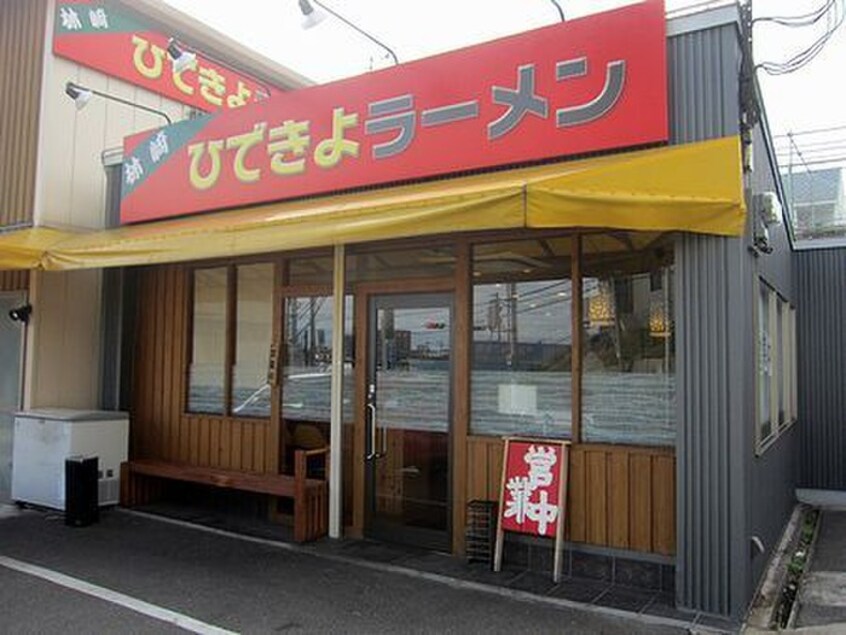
780, 358
522, 343
208, 350
253, 333
765, 364
628, 380
307, 372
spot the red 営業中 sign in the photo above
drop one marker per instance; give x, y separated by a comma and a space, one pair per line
586, 85
533, 493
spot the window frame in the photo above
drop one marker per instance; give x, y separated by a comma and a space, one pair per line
230, 332
782, 383
577, 275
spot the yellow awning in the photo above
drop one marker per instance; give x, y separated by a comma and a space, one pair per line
26, 248
695, 188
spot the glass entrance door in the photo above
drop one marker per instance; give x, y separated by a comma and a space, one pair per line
408, 419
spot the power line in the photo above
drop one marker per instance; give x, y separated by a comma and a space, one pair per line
832, 9
799, 20
809, 132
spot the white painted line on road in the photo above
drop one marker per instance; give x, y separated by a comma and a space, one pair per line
133, 604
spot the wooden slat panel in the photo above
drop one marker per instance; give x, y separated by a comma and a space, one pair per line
495, 450
618, 499
214, 442
235, 445
159, 414
596, 495
169, 360
578, 508
640, 478
477, 470
664, 505
22, 29
14, 280
248, 440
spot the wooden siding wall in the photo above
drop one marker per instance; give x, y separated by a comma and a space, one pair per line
14, 280
160, 428
619, 496
22, 29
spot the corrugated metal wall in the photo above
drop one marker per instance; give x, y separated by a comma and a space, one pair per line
704, 104
22, 27
820, 285
703, 71
712, 435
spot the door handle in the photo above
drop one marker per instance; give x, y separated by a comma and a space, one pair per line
373, 454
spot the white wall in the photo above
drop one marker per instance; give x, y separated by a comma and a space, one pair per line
63, 339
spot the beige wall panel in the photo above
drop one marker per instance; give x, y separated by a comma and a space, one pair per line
65, 340
64, 344
72, 181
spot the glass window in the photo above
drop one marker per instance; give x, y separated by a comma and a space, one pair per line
765, 365
307, 371
208, 349
253, 334
522, 339
794, 367
781, 335
628, 365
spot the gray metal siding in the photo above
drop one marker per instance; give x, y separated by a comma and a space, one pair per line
820, 282
703, 84
771, 477
711, 374
713, 294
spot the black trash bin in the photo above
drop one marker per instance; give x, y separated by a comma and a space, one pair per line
81, 496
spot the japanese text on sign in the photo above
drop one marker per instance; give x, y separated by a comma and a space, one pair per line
285, 146
531, 502
584, 86
135, 53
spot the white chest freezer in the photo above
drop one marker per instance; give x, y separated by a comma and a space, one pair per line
44, 438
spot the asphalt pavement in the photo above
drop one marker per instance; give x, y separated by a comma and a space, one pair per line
134, 574
822, 593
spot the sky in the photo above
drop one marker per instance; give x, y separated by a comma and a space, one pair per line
807, 99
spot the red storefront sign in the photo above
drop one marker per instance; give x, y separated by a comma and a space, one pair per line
533, 493
586, 85
532, 487
117, 43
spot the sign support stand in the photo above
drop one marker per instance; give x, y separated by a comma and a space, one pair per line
564, 447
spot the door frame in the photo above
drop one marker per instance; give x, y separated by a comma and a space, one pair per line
373, 528
362, 293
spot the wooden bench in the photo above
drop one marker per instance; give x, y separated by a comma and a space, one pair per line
140, 483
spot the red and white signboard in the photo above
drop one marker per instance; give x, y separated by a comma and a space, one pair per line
107, 38
586, 85
533, 494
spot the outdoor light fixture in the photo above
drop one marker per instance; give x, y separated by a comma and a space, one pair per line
313, 17
21, 313
182, 60
82, 95
560, 10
